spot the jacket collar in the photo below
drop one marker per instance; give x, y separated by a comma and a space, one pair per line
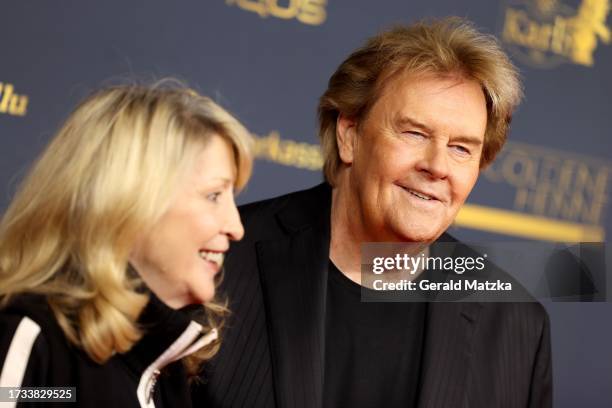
294, 281
169, 336
168, 333
307, 209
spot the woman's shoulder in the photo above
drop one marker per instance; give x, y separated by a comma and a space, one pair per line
28, 310
26, 325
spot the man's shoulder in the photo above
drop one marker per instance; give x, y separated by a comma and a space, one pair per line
296, 207
526, 320
274, 204
524, 306
518, 310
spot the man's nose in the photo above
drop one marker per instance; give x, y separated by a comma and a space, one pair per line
434, 160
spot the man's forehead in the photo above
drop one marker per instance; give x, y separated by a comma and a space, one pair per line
406, 82
421, 101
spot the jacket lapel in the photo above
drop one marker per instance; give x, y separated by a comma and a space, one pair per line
294, 281
447, 352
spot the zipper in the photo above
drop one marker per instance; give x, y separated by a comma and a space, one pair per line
187, 343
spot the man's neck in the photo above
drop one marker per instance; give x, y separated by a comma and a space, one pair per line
346, 236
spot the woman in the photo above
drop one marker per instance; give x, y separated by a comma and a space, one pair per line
122, 222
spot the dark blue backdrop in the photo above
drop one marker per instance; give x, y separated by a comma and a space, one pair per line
268, 61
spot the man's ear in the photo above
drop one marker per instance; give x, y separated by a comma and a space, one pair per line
346, 135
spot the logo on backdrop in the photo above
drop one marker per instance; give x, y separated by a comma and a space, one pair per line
287, 152
546, 33
10, 102
552, 183
310, 12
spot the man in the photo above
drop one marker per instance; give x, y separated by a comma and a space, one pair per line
406, 125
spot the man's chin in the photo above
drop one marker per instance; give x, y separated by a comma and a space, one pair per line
425, 234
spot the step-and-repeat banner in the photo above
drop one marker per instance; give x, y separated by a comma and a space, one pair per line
268, 61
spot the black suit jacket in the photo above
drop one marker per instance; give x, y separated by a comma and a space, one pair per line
475, 354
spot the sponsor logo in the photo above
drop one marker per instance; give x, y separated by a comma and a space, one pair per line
552, 183
556, 186
311, 12
287, 152
547, 33
10, 102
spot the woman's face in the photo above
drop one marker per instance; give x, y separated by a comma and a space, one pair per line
180, 256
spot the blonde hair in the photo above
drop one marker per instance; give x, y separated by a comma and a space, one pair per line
450, 46
108, 174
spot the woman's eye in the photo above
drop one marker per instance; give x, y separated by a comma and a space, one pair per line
213, 197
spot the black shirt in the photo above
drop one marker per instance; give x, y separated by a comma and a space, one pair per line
372, 349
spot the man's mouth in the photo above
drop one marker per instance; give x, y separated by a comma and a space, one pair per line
213, 257
420, 194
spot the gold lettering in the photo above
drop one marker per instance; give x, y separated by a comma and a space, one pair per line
531, 200
570, 191
521, 199
519, 169
566, 175
550, 185
592, 184
589, 24
267, 147
306, 11
595, 187
556, 204
493, 172
549, 170
313, 12
511, 26
6, 97
286, 13
523, 31
256, 6
574, 38
285, 155
288, 152
18, 105
561, 42
594, 216
574, 207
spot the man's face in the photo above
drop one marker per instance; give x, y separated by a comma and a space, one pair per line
415, 157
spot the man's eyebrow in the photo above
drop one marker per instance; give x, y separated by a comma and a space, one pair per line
471, 140
406, 120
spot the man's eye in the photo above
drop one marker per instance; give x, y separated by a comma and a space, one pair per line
417, 135
461, 150
214, 197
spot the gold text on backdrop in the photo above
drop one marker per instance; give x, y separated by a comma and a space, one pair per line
10, 102
546, 33
310, 12
552, 183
